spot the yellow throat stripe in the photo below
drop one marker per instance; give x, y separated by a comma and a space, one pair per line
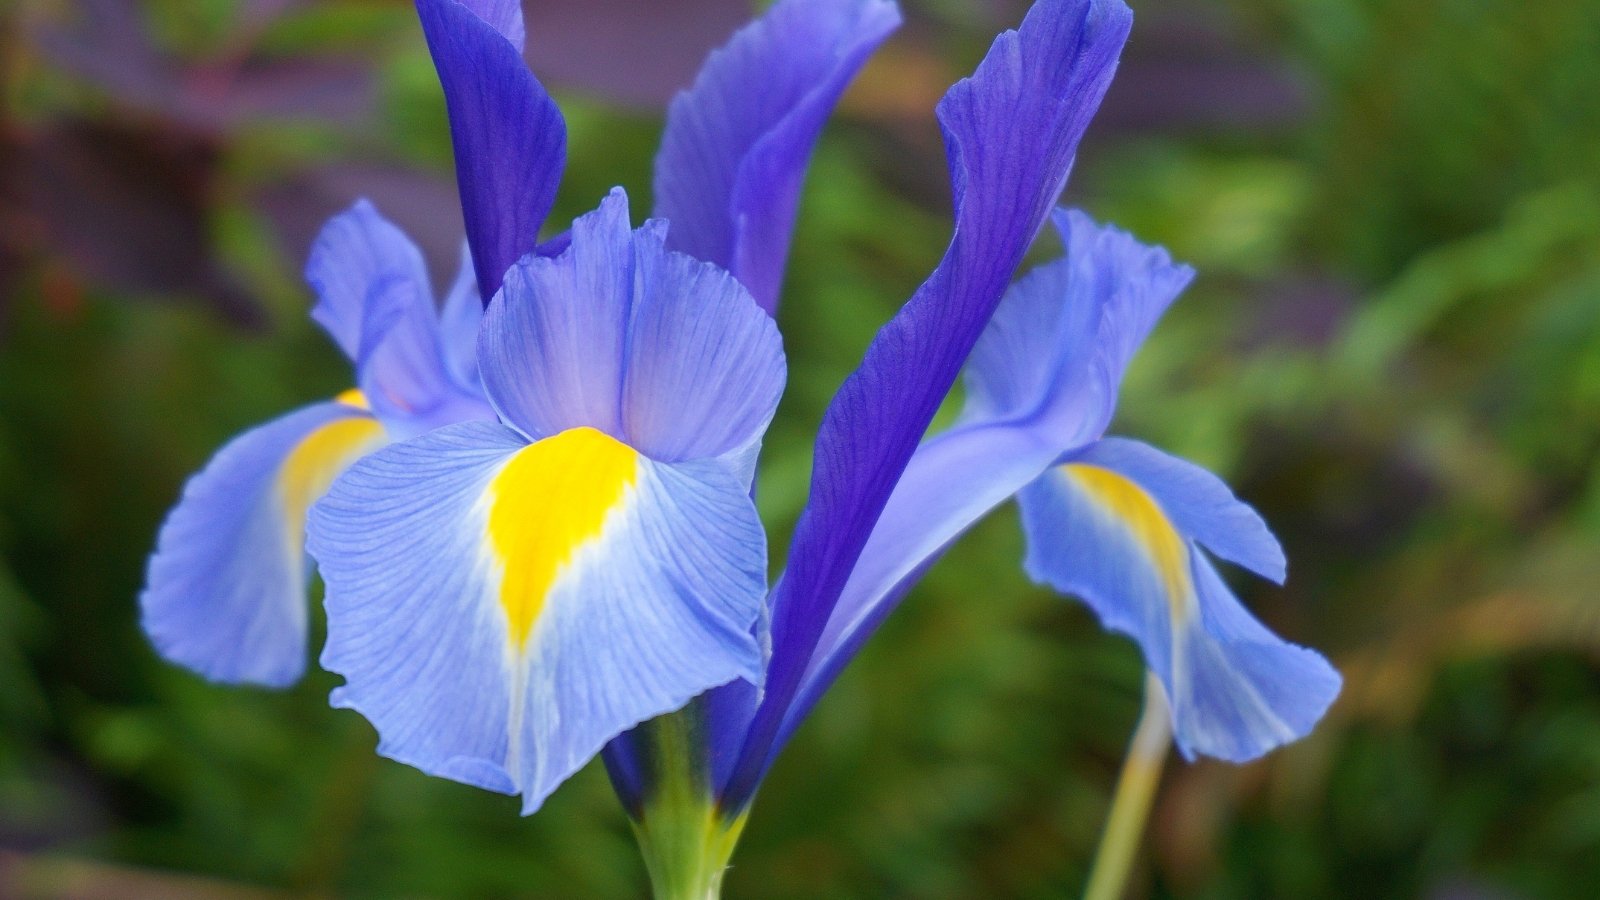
1145, 521
316, 461
549, 500
354, 397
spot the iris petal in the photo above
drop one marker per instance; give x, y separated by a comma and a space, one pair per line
504, 16
1011, 131
500, 610
1054, 355
357, 251
510, 139
1237, 690
668, 354
1198, 503
1038, 385
736, 143
375, 298
225, 593
459, 319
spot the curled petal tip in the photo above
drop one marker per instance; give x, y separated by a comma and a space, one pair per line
1119, 536
737, 142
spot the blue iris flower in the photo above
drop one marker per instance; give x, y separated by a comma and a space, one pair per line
225, 589
511, 594
1115, 522
225, 593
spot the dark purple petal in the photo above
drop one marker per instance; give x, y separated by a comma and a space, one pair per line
510, 140
504, 16
924, 516
1010, 131
736, 144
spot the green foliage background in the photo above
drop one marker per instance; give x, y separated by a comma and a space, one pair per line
1393, 350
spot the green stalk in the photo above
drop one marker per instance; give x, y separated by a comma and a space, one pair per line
1136, 788
684, 836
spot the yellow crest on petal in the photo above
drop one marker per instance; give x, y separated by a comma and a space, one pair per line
316, 461
551, 499
353, 397
1145, 521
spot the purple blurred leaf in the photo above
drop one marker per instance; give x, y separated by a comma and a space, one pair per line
1305, 309
1191, 68
330, 90
123, 204
252, 16
424, 204
108, 45
638, 52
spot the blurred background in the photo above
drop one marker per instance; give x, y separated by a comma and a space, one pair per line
1392, 350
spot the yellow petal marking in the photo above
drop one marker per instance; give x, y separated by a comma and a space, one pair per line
353, 397
316, 461
552, 498
1129, 504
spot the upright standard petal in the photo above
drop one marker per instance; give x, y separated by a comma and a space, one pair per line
1056, 351
1041, 381
356, 252
375, 299
504, 16
225, 592
510, 140
1011, 131
1237, 690
459, 319
663, 352
736, 144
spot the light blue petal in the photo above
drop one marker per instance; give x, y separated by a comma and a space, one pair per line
357, 251
736, 144
668, 354
655, 609
225, 591
1237, 690
459, 320
1199, 504
374, 297
1045, 318
1058, 346
552, 345
1248, 690
705, 365
952, 481
403, 373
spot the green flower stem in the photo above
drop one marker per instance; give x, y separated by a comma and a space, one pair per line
684, 836
1136, 788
